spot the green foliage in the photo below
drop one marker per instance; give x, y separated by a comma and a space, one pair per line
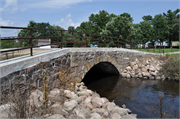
146, 32
172, 18
35, 33
8, 44
119, 27
147, 18
170, 68
127, 15
160, 26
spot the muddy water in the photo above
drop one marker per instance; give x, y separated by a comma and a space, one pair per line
142, 97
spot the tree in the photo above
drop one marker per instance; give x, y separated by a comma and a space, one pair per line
119, 27
35, 33
57, 33
127, 15
138, 36
147, 18
160, 26
146, 32
170, 16
96, 24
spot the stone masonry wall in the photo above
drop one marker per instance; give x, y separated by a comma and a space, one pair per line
32, 75
77, 62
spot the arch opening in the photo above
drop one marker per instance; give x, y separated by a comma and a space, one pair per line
99, 71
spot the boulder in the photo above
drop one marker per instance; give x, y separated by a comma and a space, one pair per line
83, 97
144, 70
158, 77
128, 117
89, 91
123, 106
128, 76
139, 76
110, 106
128, 68
95, 116
78, 84
57, 108
36, 98
87, 100
125, 71
133, 115
151, 77
82, 93
54, 92
95, 94
82, 88
82, 83
152, 69
82, 112
72, 95
56, 116
100, 111
135, 66
70, 104
96, 102
120, 111
153, 73
132, 64
104, 100
106, 114
145, 74
90, 106
116, 116
123, 75
7, 109
132, 75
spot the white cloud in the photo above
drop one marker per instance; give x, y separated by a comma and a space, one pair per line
65, 23
54, 4
10, 6
5, 22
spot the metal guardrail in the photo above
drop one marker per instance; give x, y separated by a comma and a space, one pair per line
118, 43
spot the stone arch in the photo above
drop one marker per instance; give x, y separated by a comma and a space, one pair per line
94, 62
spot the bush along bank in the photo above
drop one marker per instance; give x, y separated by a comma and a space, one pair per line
81, 103
150, 68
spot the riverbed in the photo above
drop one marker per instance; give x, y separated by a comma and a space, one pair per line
141, 96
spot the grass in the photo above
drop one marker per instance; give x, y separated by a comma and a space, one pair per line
159, 50
173, 55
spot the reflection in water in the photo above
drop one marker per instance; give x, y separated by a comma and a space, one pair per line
140, 96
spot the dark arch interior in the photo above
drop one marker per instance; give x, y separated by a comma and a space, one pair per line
99, 71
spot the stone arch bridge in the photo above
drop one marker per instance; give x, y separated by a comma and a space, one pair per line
80, 60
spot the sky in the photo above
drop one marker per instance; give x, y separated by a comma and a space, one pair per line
67, 13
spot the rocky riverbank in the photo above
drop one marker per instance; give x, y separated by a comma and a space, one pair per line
145, 68
81, 103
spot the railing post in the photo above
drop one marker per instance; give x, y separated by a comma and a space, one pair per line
118, 42
86, 40
61, 39
105, 41
31, 43
57, 42
9, 43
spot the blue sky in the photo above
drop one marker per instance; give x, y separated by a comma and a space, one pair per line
73, 12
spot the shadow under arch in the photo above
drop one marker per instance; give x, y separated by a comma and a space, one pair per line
104, 64
101, 70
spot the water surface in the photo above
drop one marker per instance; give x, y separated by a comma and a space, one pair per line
142, 97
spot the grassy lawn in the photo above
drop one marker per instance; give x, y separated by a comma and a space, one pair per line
173, 55
159, 50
